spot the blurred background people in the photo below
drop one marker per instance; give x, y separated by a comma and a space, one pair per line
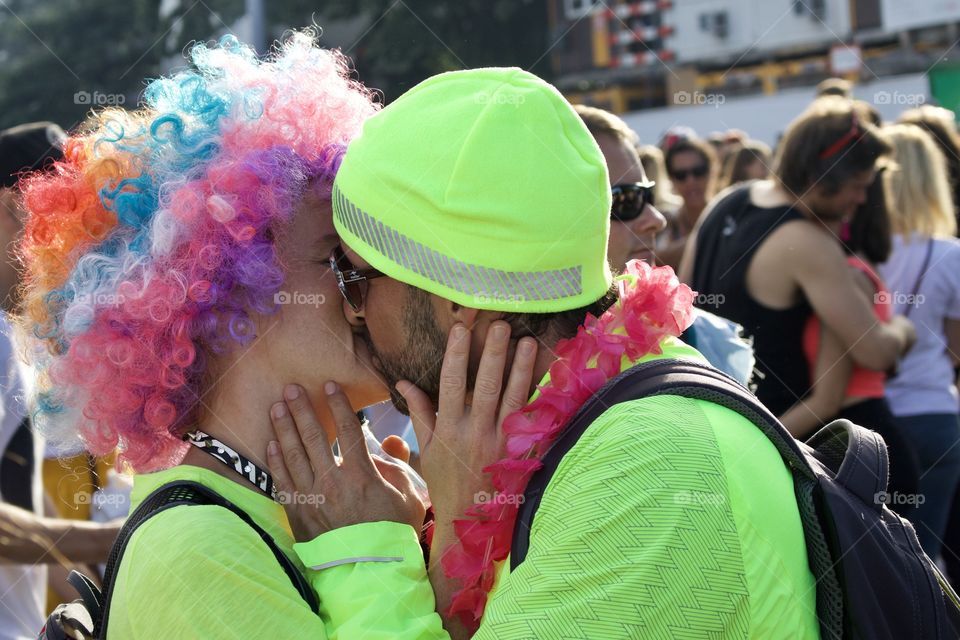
835, 87
31, 540
692, 167
634, 222
718, 339
664, 199
840, 388
749, 161
941, 124
923, 274
769, 255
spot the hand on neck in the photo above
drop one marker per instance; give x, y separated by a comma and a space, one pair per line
237, 413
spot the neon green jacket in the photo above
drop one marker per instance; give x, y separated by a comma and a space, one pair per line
670, 518
201, 572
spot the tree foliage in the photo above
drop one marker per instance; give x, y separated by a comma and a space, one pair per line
60, 58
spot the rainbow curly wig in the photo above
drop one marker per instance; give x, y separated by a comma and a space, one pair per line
148, 247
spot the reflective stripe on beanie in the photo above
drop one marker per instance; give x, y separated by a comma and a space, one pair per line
469, 279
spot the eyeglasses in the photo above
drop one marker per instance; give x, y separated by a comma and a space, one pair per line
681, 175
629, 199
350, 280
845, 139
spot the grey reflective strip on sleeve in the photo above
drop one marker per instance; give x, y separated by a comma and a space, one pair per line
337, 563
471, 279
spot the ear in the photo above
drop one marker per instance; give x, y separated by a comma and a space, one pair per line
467, 315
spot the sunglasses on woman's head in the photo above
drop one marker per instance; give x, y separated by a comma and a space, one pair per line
350, 280
629, 199
682, 174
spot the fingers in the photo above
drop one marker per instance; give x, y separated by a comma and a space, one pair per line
295, 458
314, 438
517, 391
453, 375
278, 470
486, 389
353, 450
395, 446
423, 414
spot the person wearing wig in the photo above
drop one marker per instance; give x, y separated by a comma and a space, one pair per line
177, 276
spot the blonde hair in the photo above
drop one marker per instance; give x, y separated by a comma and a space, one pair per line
919, 187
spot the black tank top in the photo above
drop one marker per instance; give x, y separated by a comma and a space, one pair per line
726, 243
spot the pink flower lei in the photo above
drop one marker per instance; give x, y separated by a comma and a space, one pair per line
652, 304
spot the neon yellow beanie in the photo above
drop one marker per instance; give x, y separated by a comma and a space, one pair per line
483, 187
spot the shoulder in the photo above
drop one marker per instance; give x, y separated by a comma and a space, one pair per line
652, 439
721, 201
191, 540
657, 442
947, 249
805, 247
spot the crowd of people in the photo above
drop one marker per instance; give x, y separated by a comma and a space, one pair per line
210, 286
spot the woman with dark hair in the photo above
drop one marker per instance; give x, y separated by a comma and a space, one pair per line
692, 167
749, 161
839, 387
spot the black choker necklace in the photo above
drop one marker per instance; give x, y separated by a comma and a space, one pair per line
243, 466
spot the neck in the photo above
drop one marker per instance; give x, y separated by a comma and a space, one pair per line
237, 413
690, 213
779, 195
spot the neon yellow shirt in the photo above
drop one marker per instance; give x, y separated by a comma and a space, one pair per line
201, 572
670, 518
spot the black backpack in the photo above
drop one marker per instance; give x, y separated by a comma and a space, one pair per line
86, 619
873, 579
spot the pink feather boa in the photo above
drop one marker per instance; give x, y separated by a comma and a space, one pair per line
653, 304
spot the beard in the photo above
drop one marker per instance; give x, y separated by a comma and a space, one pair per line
420, 359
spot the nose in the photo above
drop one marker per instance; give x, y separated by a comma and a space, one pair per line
649, 222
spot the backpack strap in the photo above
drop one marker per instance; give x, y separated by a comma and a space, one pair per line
173, 494
664, 376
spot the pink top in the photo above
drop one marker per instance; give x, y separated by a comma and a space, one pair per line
864, 383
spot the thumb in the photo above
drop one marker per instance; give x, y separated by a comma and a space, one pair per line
423, 414
395, 447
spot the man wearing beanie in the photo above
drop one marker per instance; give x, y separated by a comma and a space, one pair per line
474, 214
